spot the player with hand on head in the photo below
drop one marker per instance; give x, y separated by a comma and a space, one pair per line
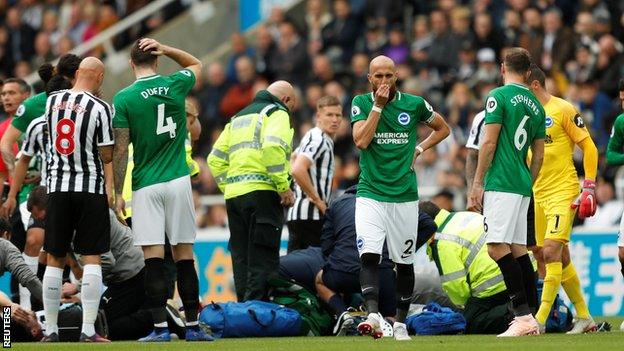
385, 123
150, 114
514, 121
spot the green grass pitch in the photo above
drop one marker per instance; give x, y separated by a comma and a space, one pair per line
559, 342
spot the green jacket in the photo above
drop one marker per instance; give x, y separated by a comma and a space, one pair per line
461, 255
253, 151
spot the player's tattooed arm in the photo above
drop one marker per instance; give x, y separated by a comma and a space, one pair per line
6, 148
120, 158
471, 166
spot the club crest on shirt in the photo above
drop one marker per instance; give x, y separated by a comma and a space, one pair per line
403, 118
20, 111
360, 243
549, 122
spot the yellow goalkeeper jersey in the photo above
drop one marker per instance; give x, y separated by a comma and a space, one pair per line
564, 129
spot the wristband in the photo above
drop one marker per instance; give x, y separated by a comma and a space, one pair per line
420, 149
376, 109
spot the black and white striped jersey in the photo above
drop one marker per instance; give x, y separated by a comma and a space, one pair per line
477, 131
78, 123
319, 148
36, 142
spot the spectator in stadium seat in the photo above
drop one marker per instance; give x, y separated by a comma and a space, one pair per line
485, 34
585, 29
340, 35
583, 66
21, 37
373, 41
460, 25
610, 64
384, 13
316, 18
265, 50
532, 37
423, 39
64, 45
43, 50
487, 69
595, 105
558, 41
397, 49
210, 96
441, 55
239, 49
291, 60
359, 71
340, 273
512, 28
49, 26
239, 94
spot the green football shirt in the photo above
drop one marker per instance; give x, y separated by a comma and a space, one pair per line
385, 165
30, 109
522, 120
615, 148
153, 109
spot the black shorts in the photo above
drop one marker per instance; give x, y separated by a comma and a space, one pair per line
85, 214
349, 283
531, 224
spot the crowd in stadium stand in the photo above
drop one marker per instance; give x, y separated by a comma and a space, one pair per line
36, 31
448, 51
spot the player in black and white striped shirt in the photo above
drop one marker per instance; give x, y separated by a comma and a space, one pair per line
80, 138
313, 171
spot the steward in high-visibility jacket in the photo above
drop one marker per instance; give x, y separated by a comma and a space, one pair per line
469, 276
250, 163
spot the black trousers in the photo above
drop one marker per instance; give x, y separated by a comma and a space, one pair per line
488, 315
256, 220
123, 305
303, 234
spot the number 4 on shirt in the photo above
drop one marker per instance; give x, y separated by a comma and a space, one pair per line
161, 127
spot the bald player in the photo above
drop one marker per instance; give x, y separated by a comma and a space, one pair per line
81, 140
385, 123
